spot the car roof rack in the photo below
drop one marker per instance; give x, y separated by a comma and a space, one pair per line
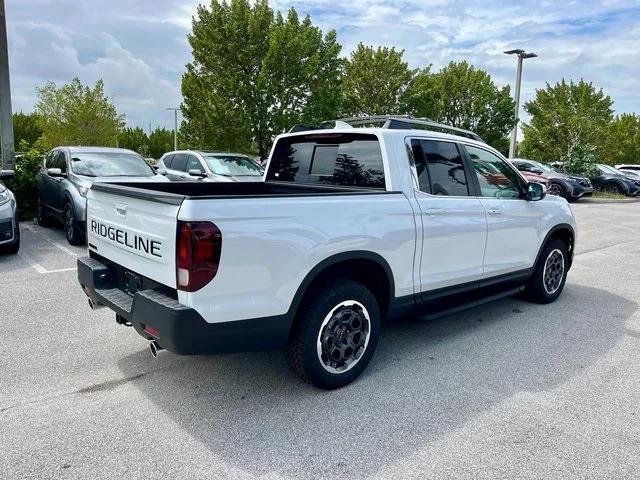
405, 122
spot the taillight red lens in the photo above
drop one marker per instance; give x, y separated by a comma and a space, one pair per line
197, 254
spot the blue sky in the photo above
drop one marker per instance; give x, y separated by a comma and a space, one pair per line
140, 48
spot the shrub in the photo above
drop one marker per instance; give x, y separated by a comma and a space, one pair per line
24, 184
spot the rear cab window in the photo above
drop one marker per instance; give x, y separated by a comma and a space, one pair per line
338, 159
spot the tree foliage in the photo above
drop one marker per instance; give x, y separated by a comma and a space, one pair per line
160, 142
134, 139
376, 81
255, 74
622, 140
563, 115
26, 130
580, 158
463, 96
76, 114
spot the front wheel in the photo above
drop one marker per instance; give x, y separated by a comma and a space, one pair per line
613, 188
71, 230
557, 190
550, 273
335, 335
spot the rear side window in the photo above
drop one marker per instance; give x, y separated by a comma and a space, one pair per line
179, 162
167, 161
342, 159
440, 168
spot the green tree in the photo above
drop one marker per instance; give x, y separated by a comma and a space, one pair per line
376, 81
563, 115
255, 74
463, 96
580, 158
160, 142
76, 114
26, 129
622, 140
134, 139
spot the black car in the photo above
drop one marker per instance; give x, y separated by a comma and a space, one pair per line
571, 187
612, 180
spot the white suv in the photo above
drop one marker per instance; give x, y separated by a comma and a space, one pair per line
352, 226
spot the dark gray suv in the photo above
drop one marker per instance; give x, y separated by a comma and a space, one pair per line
67, 173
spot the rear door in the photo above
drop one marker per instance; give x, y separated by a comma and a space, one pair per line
454, 225
513, 222
137, 233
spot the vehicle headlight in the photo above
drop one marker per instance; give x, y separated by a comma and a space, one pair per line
83, 191
5, 196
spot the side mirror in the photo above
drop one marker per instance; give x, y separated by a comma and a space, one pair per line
535, 192
194, 172
160, 170
54, 172
537, 171
6, 173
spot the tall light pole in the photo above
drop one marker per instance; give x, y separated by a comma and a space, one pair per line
175, 126
514, 134
6, 116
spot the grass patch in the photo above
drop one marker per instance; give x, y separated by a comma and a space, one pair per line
609, 196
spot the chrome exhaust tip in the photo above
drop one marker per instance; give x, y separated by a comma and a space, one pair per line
154, 348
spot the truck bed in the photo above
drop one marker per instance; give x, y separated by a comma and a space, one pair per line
176, 192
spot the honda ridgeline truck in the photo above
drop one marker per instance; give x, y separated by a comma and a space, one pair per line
355, 223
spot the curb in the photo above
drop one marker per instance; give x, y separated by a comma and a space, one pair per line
608, 200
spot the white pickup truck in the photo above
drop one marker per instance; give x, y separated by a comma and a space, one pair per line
351, 226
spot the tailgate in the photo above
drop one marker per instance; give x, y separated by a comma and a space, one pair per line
135, 229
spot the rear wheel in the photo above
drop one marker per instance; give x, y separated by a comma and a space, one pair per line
71, 230
335, 335
613, 188
550, 273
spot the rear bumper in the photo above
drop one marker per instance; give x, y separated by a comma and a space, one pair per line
180, 329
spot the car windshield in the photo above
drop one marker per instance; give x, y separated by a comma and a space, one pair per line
110, 164
543, 167
233, 166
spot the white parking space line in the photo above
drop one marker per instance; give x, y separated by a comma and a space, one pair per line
39, 268
52, 242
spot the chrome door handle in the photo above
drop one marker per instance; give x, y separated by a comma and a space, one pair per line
494, 211
433, 212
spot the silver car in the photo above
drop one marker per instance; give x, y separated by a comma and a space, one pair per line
67, 173
9, 229
202, 165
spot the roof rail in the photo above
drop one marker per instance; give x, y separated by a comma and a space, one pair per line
401, 122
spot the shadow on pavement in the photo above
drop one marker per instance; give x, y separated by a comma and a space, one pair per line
425, 380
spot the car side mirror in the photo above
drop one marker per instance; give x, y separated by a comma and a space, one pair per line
194, 172
537, 171
55, 172
535, 192
160, 170
6, 173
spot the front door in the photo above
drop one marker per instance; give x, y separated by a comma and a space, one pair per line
454, 225
513, 222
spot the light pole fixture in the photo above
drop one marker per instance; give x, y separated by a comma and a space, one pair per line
521, 56
175, 126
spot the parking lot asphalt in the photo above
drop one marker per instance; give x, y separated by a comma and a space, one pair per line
508, 390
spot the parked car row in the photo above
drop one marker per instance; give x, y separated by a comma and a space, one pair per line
573, 187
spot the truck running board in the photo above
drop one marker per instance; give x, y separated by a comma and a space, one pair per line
466, 306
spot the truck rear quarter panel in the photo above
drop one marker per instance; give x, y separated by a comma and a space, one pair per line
269, 246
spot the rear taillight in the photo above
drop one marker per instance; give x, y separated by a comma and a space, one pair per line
197, 254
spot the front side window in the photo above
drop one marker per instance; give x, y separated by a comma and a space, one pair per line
110, 164
61, 161
495, 177
50, 161
167, 161
194, 164
341, 159
440, 168
233, 166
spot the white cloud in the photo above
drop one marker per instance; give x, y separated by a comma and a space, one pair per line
140, 48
